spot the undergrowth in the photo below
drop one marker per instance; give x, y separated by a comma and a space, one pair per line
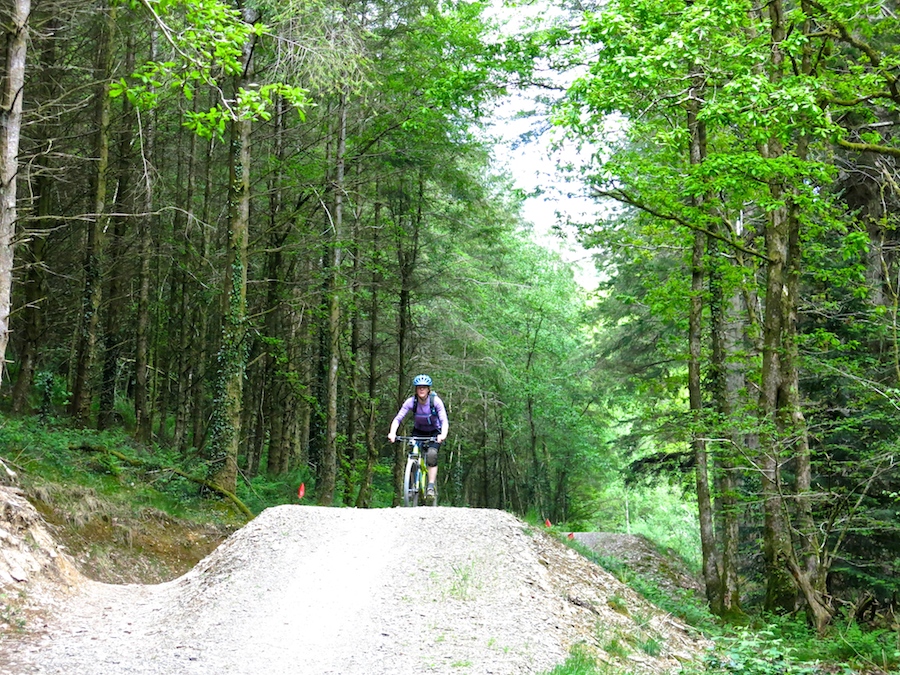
43, 452
764, 644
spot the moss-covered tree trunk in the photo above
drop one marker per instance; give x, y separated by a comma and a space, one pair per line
232, 357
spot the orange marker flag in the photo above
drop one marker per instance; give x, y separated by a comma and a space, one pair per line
301, 490
547, 523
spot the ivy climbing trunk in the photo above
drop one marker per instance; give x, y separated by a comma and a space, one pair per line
226, 429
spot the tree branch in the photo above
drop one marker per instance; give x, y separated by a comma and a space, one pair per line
624, 197
869, 147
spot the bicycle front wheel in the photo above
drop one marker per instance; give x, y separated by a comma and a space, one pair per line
411, 483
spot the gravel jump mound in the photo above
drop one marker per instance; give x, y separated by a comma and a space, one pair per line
344, 591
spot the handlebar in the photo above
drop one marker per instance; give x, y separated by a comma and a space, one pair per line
414, 439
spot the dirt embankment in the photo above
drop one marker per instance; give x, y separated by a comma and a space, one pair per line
316, 590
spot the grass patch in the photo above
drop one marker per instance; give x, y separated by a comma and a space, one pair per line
11, 615
580, 662
465, 583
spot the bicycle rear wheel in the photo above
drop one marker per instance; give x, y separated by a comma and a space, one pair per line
411, 483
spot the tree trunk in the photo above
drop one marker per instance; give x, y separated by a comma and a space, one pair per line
780, 590
113, 333
727, 382
328, 470
142, 414
540, 486
35, 281
185, 331
710, 557
407, 256
807, 566
275, 362
15, 27
402, 338
364, 498
226, 433
353, 400
201, 317
93, 251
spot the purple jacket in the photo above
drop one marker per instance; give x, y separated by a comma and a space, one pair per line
424, 420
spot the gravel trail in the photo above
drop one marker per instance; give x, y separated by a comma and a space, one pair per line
316, 590
326, 591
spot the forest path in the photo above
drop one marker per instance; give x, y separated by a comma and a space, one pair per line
317, 590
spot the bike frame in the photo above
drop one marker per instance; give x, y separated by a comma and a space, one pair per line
415, 477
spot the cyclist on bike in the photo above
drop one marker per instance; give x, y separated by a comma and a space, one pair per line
429, 419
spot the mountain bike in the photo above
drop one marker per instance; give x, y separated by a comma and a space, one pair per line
415, 478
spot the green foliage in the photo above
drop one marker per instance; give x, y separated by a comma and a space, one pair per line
785, 645
651, 646
662, 512
261, 492
869, 648
52, 393
579, 662
207, 40
756, 653
11, 614
767, 131
680, 602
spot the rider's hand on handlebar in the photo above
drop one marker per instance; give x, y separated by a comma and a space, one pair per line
441, 437
392, 437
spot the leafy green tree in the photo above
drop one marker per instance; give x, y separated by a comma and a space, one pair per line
724, 148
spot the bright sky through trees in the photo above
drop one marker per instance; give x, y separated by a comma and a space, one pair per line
553, 203
536, 154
